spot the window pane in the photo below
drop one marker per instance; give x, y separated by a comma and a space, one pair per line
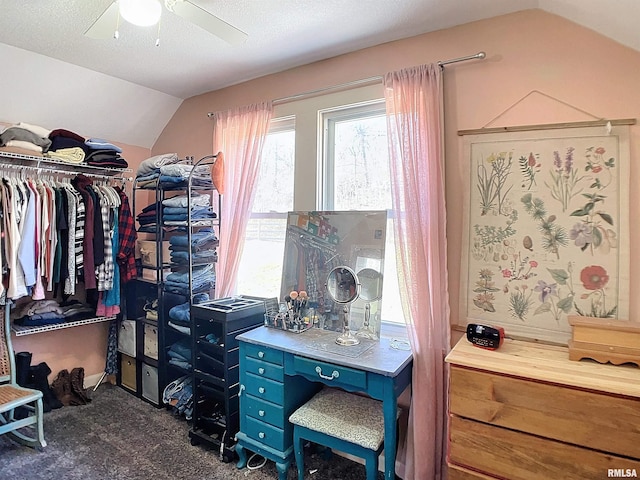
361, 164
358, 178
261, 264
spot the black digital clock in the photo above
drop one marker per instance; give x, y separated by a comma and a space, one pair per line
484, 336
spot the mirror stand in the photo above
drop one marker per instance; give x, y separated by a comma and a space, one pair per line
367, 331
347, 338
343, 287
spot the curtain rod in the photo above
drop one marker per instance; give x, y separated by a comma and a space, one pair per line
367, 81
362, 82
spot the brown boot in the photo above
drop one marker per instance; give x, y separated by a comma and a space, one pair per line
61, 387
77, 386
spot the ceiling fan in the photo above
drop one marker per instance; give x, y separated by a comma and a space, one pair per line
148, 12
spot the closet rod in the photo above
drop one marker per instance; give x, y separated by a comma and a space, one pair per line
52, 170
360, 83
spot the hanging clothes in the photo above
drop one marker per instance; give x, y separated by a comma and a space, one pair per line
52, 231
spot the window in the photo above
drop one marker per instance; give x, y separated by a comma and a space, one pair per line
355, 176
261, 263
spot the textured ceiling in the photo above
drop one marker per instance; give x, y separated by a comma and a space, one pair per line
190, 61
281, 34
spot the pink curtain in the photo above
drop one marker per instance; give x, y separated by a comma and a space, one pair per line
240, 134
415, 125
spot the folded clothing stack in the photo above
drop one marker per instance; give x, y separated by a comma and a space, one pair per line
104, 154
32, 138
203, 279
149, 170
50, 312
204, 239
180, 316
180, 354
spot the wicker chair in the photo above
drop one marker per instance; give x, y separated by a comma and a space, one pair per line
28, 430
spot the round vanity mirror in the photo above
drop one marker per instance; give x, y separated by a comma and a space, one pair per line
344, 288
370, 284
343, 285
370, 291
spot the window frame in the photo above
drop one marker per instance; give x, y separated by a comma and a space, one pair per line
326, 158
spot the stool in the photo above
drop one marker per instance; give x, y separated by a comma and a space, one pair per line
347, 422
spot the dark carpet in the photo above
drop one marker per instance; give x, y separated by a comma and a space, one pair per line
120, 437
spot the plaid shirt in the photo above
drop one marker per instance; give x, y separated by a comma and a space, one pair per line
127, 240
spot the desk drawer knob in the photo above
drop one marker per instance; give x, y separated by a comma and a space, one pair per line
261, 371
261, 389
261, 413
261, 435
260, 354
334, 374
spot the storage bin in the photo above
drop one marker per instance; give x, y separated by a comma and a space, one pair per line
128, 372
127, 337
150, 383
146, 251
153, 275
151, 341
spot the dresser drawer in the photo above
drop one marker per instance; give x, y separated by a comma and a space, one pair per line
264, 369
263, 353
264, 388
515, 455
330, 372
264, 411
460, 473
590, 419
269, 435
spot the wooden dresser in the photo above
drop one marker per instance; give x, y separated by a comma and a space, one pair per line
527, 412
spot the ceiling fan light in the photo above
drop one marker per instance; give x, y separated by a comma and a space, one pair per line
143, 13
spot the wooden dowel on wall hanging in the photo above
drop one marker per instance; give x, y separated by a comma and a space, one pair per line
548, 126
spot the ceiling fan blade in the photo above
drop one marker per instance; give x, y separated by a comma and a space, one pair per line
209, 22
105, 25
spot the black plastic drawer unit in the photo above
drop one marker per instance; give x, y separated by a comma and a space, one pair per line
216, 356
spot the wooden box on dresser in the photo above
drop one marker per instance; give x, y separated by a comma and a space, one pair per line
525, 411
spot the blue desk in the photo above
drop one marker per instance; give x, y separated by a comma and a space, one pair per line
279, 371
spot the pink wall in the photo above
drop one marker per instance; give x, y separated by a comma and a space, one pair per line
526, 52
84, 346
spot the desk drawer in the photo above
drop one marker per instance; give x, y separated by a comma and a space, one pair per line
264, 411
264, 369
329, 372
263, 353
267, 434
264, 388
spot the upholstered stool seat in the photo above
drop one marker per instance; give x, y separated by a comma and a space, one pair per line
340, 420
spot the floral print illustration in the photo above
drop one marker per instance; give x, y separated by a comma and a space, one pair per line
599, 167
529, 166
519, 268
492, 182
594, 278
520, 301
485, 289
554, 235
593, 231
564, 178
544, 231
552, 296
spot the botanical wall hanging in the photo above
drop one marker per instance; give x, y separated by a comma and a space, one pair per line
546, 229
